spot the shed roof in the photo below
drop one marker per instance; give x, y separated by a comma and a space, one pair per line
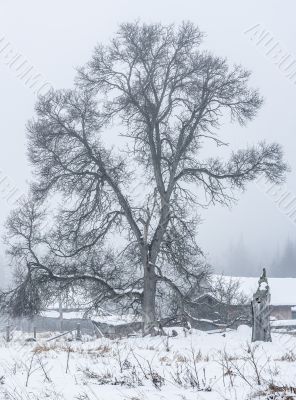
282, 290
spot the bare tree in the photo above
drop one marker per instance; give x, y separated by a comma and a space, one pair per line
232, 303
167, 98
228, 290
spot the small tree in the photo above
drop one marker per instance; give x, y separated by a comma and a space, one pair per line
167, 98
233, 303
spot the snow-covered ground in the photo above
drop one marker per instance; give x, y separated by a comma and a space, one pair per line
193, 365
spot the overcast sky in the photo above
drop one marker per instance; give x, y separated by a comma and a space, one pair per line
57, 36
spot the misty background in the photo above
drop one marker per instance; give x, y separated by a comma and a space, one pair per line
56, 37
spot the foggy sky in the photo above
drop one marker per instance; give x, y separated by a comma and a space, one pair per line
57, 36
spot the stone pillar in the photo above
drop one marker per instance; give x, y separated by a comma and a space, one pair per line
261, 311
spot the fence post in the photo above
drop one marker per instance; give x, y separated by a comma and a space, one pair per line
8, 333
78, 332
35, 332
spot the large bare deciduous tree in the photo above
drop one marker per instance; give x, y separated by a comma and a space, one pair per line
128, 220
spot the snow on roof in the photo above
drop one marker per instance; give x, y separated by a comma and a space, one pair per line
283, 322
282, 290
107, 319
66, 314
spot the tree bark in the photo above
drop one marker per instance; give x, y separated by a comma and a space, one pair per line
261, 330
149, 312
150, 255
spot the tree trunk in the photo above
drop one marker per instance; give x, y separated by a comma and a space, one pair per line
149, 314
261, 311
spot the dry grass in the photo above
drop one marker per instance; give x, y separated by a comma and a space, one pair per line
165, 360
180, 358
290, 356
42, 348
101, 351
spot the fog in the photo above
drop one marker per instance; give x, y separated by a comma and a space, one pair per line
55, 37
